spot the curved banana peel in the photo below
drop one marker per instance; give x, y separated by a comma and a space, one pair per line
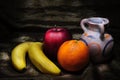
39, 59
18, 55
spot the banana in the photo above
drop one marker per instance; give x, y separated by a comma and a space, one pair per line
18, 55
40, 61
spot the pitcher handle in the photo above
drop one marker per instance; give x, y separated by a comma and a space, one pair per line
101, 27
82, 23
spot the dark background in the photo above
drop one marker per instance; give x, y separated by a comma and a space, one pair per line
46, 13
22, 20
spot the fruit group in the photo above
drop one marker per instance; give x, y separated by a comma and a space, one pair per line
73, 55
36, 55
53, 38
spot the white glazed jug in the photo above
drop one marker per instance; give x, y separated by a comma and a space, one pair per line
99, 42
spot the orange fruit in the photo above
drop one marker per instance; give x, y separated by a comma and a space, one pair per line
73, 55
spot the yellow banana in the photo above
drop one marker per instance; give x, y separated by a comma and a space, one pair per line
39, 59
18, 55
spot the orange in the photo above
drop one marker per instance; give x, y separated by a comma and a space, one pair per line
73, 55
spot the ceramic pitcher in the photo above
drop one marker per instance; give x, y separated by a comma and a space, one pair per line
100, 43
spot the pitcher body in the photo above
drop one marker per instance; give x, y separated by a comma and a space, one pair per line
100, 43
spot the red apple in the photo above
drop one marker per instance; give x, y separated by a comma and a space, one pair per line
53, 38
